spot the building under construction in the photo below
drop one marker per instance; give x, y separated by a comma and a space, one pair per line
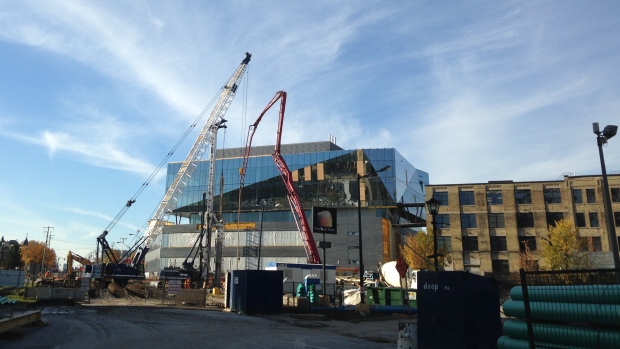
259, 226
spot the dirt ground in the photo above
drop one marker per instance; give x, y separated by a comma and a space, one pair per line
113, 320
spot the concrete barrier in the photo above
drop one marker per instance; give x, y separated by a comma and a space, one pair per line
55, 293
17, 320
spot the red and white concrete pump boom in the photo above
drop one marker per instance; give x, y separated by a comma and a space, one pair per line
293, 196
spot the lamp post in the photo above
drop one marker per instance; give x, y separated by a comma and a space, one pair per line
2, 242
359, 223
432, 206
601, 138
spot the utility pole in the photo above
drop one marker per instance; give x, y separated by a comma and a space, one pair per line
122, 248
47, 238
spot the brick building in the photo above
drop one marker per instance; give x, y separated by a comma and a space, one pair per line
486, 225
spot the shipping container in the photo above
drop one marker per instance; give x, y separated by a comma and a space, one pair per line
457, 309
251, 292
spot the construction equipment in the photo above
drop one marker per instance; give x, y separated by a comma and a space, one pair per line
293, 196
72, 279
205, 139
112, 270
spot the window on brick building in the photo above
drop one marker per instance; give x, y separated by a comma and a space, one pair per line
496, 220
615, 194
617, 218
523, 196
500, 266
525, 219
552, 196
494, 197
593, 219
442, 221
498, 243
553, 217
580, 220
442, 197
466, 198
468, 220
470, 243
577, 196
591, 244
444, 243
530, 241
591, 196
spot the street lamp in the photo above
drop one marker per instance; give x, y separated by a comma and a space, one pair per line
432, 206
2, 242
601, 138
359, 223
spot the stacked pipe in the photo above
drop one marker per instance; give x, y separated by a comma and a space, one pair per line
571, 316
116, 290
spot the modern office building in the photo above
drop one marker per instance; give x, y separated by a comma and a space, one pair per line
260, 228
486, 225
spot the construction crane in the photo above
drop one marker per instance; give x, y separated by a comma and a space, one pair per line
293, 196
205, 139
111, 269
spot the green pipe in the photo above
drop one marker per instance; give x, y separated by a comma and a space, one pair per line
601, 314
505, 342
563, 334
605, 294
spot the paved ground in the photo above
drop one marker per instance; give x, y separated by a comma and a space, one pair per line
133, 323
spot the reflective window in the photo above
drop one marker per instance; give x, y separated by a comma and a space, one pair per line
496, 220
552, 196
591, 196
525, 220
523, 196
466, 198
500, 266
593, 219
470, 243
444, 243
591, 244
468, 220
498, 243
529, 241
553, 217
577, 196
494, 197
580, 220
442, 197
615, 194
442, 221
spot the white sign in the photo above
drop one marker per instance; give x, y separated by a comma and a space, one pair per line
85, 284
174, 286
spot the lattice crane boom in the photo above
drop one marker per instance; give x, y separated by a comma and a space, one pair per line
204, 140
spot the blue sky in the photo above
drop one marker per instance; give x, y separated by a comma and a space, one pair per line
93, 95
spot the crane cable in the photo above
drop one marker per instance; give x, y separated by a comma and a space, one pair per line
133, 199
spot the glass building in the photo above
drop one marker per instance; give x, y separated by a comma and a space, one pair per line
260, 226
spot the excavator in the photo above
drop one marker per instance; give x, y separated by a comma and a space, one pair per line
72, 279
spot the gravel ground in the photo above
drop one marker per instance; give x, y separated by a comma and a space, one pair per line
108, 322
